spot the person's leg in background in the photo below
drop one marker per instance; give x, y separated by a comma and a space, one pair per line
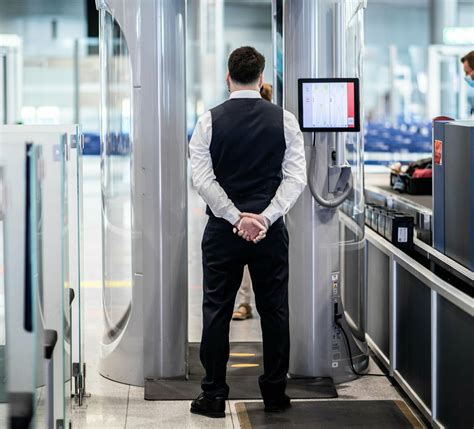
244, 310
269, 271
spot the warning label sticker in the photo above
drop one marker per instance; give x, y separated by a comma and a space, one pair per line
402, 235
438, 152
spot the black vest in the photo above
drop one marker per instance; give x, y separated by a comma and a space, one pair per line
247, 150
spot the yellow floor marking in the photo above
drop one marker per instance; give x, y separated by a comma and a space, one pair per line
242, 354
110, 283
244, 365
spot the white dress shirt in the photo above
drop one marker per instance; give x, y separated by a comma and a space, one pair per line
293, 168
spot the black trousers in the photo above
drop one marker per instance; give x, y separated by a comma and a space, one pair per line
224, 256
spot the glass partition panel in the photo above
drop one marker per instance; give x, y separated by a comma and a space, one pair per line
58, 265
116, 164
52, 150
53, 255
33, 262
20, 322
75, 246
352, 233
354, 68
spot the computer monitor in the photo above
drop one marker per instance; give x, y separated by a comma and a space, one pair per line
329, 105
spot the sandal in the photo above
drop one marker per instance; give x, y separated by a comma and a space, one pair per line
243, 312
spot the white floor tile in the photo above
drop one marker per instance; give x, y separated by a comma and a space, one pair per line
102, 411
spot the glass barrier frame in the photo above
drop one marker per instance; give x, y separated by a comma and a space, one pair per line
58, 150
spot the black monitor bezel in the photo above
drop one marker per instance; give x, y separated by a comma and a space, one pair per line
354, 129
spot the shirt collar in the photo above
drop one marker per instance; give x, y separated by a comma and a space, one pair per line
245, 93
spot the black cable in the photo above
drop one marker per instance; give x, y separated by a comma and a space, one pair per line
336, 321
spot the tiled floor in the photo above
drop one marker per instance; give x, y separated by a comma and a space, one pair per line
114, 405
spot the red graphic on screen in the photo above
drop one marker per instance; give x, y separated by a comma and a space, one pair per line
350, 105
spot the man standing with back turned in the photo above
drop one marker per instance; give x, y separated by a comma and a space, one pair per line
248, 164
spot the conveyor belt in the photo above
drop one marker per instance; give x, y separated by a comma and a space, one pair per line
378, 190
382, 182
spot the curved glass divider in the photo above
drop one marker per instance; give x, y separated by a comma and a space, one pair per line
116, 165
22, 341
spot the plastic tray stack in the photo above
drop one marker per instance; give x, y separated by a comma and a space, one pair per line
394, 226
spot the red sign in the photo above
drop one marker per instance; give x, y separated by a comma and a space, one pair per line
438, 152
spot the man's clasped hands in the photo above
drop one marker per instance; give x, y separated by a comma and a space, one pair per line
251, 227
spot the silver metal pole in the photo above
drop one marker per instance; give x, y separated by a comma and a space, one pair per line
164, 192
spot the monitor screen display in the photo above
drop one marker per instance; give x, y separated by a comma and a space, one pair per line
329, 105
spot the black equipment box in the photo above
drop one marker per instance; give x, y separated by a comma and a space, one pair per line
396, 227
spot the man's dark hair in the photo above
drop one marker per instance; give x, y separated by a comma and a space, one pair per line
245, 65
469, 58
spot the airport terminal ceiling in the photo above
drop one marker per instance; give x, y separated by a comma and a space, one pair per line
399, 46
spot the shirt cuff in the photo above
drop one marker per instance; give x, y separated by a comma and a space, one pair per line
232, 216
271, 214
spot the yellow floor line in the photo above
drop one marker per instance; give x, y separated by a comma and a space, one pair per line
244, 365
111, 283
242, 354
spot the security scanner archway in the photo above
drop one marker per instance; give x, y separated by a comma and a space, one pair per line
143, 134
144, 192
326, 255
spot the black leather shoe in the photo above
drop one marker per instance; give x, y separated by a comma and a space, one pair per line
277, 406
208, 407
